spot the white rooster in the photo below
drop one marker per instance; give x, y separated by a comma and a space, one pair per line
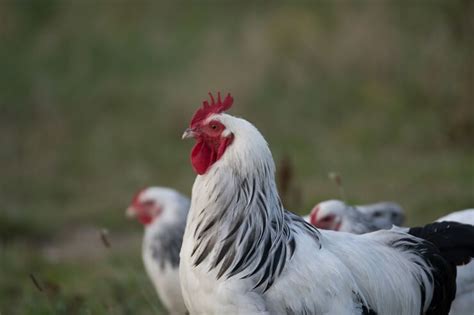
337, 215
243, 253
163, 212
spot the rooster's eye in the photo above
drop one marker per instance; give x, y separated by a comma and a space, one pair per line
214, 127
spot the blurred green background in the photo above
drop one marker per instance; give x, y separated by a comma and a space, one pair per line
94, 96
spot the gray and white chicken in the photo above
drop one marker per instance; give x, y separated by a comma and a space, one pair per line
339, 216
163, 213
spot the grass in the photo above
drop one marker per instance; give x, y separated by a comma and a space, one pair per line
95, 95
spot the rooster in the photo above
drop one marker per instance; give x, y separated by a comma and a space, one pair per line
243, 253
163, 212
338, 216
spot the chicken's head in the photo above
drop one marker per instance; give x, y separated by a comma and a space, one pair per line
328, 215
211, 134
145, 206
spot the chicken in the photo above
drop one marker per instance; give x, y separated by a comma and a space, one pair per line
243, 253
385, 211
338, 216
163, 212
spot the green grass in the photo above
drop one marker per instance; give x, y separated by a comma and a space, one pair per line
95, 95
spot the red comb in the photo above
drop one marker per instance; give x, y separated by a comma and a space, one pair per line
213, 108
137, 195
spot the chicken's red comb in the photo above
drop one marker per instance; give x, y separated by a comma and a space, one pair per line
136, 197
213, 108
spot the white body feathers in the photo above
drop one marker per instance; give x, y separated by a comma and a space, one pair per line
166, 282
161, 245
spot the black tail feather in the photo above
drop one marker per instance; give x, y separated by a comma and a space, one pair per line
454, 240
445, 245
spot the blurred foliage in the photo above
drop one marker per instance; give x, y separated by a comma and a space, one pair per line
95, 94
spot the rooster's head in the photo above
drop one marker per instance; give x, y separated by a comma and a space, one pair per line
212, 136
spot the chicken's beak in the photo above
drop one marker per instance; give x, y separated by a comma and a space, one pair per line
130, 212
189, 133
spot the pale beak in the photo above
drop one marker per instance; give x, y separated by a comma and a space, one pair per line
189, 133
130, 212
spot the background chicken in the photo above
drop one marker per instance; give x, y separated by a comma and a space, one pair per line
385, 211
339, 216
243, 253
163, 212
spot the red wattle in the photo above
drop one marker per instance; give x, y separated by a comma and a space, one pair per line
145, 218
201, 157
206, 152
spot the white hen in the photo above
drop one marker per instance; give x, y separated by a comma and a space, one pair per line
163, 212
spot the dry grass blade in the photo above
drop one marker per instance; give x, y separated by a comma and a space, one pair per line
44, 291
285, 178
36, 282
104, 237
126, 265
335, 177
